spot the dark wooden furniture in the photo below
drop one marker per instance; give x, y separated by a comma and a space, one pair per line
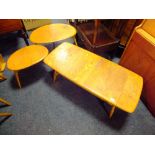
106, 34
139, 56
12, 25
122, 28
95, 36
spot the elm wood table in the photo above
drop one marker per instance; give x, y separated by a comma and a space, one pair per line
26, 57
104, 79
52, 33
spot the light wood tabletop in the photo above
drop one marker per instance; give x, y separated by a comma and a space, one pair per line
106, 80
52, 33
26, 57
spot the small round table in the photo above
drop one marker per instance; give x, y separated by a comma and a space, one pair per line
52, 33
26, 57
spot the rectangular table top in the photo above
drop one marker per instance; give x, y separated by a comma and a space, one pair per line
104, 79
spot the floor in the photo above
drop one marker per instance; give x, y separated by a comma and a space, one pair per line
43, 107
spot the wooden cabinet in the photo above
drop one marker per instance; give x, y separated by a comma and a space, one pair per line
139, 56
11, 25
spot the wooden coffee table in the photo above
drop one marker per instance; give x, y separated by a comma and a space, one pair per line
26, 57
104, 79
52, 33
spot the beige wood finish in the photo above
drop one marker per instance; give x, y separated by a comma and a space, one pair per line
26, 57
52, 33
106, 80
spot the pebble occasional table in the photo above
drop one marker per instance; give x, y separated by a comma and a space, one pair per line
26, 57
104, 79
52, 33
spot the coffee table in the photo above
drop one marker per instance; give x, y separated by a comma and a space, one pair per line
52, 33
26, 57
104, 79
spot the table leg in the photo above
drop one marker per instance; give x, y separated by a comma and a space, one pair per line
55, 75
4, 101
2, 77
112, 111
5, 114
75, 41
97, 23
17, 78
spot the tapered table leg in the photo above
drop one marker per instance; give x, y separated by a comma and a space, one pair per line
2, 77
5, 114
75, 41
4, 101
55, 75
17, 78
112, 111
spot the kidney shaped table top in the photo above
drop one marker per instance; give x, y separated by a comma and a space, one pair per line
106, 80
52, 33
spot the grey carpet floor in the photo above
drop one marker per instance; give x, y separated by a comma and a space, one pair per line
43, 107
